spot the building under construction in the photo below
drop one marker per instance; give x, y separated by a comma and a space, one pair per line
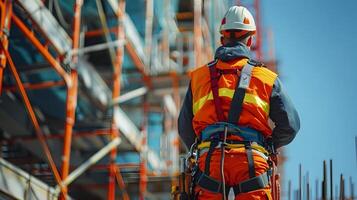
91, 91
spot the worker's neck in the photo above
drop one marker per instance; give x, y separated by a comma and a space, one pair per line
231, 43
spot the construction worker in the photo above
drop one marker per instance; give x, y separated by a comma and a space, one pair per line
227, 110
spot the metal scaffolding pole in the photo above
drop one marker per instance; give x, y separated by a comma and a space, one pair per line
36, 86
71, 103
165, 42
88, 163
148, 31
5, 23
71, 99
114, 172
143, 154
258, 47
197, 30
177, 100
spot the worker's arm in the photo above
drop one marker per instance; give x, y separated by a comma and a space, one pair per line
284, 115
185, 128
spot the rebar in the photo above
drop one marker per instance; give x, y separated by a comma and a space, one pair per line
324, 182
331, 180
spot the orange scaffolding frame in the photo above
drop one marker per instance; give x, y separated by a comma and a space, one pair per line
23, 92
70, 80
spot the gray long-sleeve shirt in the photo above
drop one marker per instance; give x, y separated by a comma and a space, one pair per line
282, 111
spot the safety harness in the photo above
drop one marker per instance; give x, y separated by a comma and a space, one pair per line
215, 136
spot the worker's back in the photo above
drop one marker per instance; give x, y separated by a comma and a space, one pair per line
255, 108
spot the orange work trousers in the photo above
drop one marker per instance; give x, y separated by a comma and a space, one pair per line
236, 170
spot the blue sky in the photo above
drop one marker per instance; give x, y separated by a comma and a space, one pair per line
316, 46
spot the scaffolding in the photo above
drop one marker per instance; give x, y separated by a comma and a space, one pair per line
101, 84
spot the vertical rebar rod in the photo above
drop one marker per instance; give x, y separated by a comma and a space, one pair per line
303, 188
316, 189
331, 180
307, 186
296, 195
289, 190
324, 182
351, 185
342, 187
299, 191
356, 148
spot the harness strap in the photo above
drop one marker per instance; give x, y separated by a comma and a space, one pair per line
208, 183
228, 71
214, 87
233, 144
246, 133
249, 152
239, 94
212, 146
256, 183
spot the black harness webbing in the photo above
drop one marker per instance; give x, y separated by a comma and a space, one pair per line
214, 87
236, 109
239, 94
213, 145
251, 168
208, 183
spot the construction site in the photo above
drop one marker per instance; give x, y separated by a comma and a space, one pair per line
91, 90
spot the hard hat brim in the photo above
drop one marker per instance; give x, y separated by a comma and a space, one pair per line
237, 26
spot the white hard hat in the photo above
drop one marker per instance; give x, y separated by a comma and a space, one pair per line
238, 18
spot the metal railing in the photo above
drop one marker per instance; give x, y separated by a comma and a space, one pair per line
18, 184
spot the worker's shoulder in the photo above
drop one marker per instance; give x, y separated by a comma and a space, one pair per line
263, 72
202, 70
261, 66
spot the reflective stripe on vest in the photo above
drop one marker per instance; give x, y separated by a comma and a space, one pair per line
226, 92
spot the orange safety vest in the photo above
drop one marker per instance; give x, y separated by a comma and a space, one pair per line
256, 103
